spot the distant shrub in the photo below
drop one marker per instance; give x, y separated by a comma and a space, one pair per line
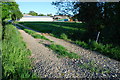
82, 43
64, 36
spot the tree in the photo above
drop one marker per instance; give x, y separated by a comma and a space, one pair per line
10, 10
90, 13
64, 8
33, 13
111, 21
99, 16
49, 14
41, 15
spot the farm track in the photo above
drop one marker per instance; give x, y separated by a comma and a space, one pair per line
47, 64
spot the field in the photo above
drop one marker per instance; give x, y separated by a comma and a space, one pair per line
72, 30
76, 33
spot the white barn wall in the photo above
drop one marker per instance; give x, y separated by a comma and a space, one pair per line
36, 18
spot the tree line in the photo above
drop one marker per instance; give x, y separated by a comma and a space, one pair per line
102, 17
33, 13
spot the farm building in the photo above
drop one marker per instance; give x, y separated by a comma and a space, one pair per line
36, 18
61, 18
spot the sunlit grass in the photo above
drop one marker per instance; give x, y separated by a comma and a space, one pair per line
62, 51
15, 56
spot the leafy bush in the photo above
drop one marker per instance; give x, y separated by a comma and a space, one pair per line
62, 51
16, 63
82, 43
64, 36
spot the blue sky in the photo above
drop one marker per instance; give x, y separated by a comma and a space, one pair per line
39, 7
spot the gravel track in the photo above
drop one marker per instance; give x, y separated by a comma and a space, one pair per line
48, 65
45, 61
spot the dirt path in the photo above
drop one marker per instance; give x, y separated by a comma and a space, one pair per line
47, 64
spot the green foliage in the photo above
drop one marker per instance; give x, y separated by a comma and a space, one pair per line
99, 16
33, 13
29, 31
41, 15
63, 36
82, 43
62, 51
49, 14
108, 49
10, 10
39, 36
16, 64
33, 33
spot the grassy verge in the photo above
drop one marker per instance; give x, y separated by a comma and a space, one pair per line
16, 64
34, 34
62, 51
108, 49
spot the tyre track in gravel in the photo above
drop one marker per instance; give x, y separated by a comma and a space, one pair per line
46, 63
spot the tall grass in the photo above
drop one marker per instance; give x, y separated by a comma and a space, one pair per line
33, 33
16, 64
107, 49
62, 51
